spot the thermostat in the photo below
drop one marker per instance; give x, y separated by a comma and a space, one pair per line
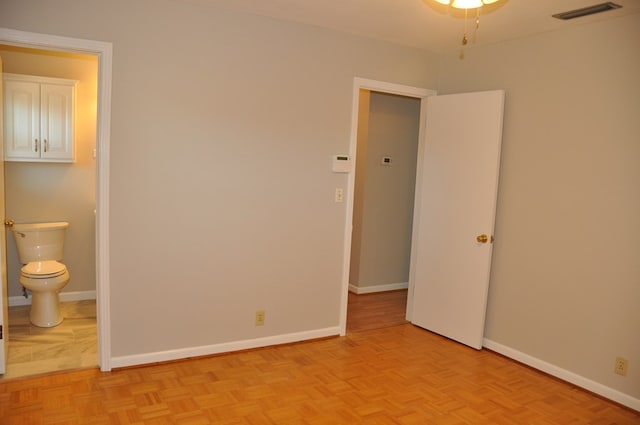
341, 164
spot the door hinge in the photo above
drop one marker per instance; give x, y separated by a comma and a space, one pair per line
1, 337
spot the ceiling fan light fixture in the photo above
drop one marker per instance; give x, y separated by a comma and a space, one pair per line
466, 4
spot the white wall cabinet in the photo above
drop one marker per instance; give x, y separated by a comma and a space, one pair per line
38, 118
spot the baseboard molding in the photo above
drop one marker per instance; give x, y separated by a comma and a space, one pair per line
565, 375
377, 288
64, 297
184, 353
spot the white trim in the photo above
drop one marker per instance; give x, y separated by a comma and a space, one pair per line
77, 296
392, 88
383, 87
64, 297
103, 51
205, 350
378, 288
564, 374
18, 300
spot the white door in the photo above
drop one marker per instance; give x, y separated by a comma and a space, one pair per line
4, 316
454, 215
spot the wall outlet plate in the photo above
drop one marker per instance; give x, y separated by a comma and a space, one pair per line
621, 366
260, 316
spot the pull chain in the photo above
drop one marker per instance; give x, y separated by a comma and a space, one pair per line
464, 35
465, 40
475, 33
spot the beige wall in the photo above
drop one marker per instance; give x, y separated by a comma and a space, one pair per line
383, 203
57, 191
565, 285
221, 189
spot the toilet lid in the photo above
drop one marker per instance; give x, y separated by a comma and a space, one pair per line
43, 269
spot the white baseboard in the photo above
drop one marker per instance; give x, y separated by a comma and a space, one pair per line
565, 375
378, 288
64, 297
163, 356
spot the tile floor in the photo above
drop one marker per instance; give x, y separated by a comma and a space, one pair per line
70, 345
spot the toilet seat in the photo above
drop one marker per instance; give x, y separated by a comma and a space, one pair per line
43, 269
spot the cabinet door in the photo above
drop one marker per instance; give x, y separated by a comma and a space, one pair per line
56, 121
22, 119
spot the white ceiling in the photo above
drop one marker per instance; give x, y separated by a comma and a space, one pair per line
424, 23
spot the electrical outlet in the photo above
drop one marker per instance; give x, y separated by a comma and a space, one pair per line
621, 366
339, 195
260, 315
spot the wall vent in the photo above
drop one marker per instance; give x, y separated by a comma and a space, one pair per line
585, 11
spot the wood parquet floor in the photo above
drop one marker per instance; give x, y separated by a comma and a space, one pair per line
376, 310
385, 371
393, 375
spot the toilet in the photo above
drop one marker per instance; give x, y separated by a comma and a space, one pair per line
40, 250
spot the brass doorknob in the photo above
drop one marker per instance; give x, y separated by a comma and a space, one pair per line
482, 238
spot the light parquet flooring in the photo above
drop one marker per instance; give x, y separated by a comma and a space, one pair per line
393, 375
376, 310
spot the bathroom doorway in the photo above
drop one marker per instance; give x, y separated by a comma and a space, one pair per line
46, 192
100, 53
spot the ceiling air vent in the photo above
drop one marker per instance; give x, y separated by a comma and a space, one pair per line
578, 13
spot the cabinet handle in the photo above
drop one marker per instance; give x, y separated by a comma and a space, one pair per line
35, 145
46, 145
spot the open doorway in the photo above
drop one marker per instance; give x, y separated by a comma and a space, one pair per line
386, 137
102, 51
40, 192
387, 148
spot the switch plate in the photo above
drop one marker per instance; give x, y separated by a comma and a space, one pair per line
339, 195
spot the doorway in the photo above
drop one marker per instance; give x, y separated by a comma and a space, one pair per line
360, 273
56, 191
103, 52
386, 159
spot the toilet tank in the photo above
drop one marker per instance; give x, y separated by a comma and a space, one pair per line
39, 241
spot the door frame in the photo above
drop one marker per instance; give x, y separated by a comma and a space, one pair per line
103, 51
389, 88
